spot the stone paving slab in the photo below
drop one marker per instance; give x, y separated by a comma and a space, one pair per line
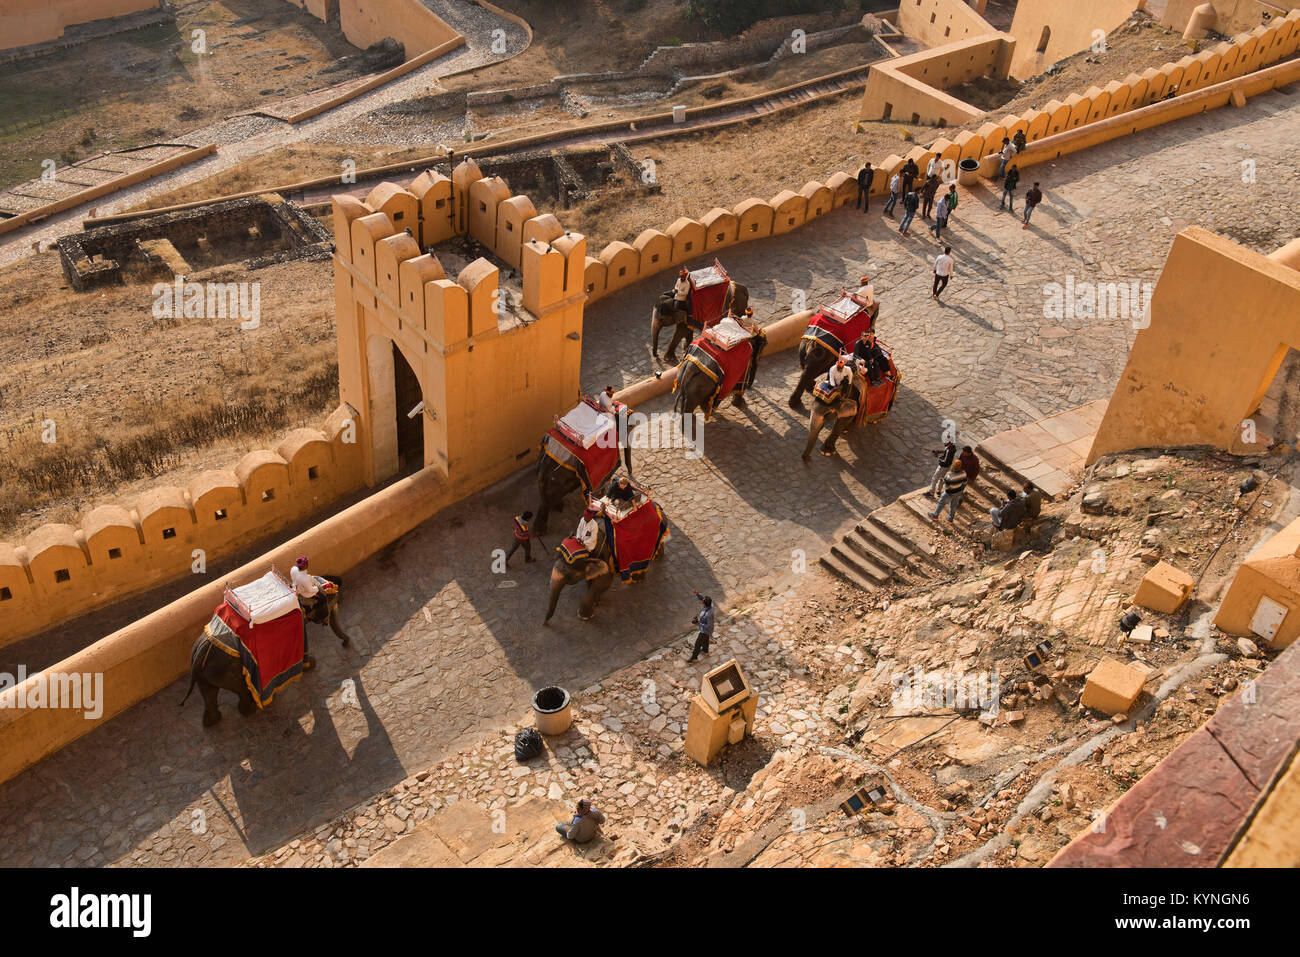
1051, 451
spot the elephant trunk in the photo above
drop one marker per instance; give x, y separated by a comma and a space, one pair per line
815, 422
557, 586
335, 626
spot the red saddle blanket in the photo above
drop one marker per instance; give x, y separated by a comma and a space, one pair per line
592, 466
635, 541
270, 654
572, 550
830, 333
726, 367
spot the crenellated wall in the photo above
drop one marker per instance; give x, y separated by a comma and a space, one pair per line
905, 84
60, 571
491, 371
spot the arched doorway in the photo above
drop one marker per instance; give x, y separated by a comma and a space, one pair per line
410, 428
396, 436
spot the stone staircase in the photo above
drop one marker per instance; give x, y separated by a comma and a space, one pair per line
890, 548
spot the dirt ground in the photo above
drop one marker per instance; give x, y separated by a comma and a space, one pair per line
505, 121
612, 35
1132, 47
137, 401
149, 85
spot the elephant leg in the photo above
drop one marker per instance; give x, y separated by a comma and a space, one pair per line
841, 423
738, 400
209, 691
815, 422
596, 587
802, 386
680, 332
656, 324
247, 705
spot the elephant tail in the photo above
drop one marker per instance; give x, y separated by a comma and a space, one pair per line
203, 646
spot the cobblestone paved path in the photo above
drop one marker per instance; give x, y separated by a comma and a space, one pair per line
448, 651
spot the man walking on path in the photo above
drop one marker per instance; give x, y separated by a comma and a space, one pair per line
945, 456
943, 264
910, 202
927, 195
951, 196
705, 622
1032, 199
1009, 188
865, 176
894, 183
523, 536
940, 216
954, 486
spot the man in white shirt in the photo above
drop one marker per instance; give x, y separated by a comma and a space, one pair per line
943, 267
1008, 151
935, 167
587, 529
606, 399
841, 373
895, 185
305, 585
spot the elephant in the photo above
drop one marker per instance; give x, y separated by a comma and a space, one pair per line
695, 388
663, 313
596, 570
843, 411
555, 483
212, 669
816, 361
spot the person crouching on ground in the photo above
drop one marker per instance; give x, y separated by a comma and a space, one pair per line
586, 822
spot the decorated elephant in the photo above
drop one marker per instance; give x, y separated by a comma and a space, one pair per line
840, 412
558, 476
594, 568
625, 549
707, 375
834, 329
664, 313
847, 409
215, 666
815, 361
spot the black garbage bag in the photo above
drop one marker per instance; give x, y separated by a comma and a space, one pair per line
528, 744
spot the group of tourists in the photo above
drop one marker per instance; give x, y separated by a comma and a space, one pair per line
904, 188
954, 472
